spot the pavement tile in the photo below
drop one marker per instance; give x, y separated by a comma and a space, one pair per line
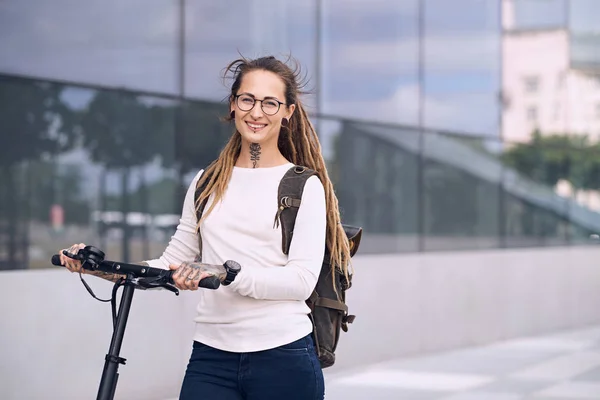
515, 386
561, 368
575, 390
592, 376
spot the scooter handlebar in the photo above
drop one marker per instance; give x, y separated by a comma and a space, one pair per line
92, 260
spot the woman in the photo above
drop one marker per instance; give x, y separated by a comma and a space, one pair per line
253, 337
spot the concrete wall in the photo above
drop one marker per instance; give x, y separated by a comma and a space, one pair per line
54, 335
421, 303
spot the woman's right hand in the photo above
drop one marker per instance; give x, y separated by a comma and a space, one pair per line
71, 264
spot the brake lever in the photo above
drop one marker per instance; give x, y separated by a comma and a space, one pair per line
156, 283
85, 264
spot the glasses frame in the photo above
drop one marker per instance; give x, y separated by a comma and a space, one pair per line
279, 103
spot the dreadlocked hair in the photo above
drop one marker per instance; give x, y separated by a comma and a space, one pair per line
300, 145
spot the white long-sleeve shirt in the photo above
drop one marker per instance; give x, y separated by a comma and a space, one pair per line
265, 306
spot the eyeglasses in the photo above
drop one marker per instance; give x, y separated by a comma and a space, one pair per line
246, 102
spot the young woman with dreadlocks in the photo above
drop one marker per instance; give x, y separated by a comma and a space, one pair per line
253, 337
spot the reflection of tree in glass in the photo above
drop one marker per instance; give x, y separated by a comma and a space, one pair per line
549, 159
204, 134
119, 132
48, 178
34, 124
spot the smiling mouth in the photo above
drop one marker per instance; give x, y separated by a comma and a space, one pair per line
255, 127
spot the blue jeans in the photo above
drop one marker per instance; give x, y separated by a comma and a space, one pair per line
290, 372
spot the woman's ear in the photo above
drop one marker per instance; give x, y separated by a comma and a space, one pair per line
231, 108
291, 109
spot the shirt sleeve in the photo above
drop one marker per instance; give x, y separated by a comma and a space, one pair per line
183, 245
297, 279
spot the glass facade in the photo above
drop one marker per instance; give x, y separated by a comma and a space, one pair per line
461, 65
440, 127
369, 60
131, 44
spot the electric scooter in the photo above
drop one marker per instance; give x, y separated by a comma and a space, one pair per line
136, 277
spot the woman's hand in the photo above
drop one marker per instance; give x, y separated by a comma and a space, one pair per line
71, 264
187, 277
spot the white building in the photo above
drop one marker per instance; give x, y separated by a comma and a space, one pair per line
544, 85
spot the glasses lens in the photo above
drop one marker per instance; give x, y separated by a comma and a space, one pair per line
270, 107
245, 102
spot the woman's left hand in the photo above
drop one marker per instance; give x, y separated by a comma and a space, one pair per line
187, 277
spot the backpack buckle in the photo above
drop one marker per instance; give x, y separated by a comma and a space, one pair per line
299, 169
347, 319
286, 202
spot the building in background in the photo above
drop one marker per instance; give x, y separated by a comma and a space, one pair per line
551, 83
550, 79
108, 109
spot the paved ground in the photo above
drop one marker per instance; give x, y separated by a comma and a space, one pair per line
562, 366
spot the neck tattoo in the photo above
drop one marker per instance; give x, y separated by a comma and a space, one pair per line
254, 153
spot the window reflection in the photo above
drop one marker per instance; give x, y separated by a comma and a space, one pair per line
103, 42
550, 82
130, 140
374, 170
461, 65
535, 14
550, 75
82, 165
111, 167
585, 36
36, 125
217, 32
462, 178
204, 134
536, 203
369, 60
583, 16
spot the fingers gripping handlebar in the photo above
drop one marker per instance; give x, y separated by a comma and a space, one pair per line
92, 259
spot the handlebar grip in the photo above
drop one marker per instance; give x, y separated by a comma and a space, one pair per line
56, 260
232, 268
211, 282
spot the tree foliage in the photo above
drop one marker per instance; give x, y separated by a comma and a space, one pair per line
551, 158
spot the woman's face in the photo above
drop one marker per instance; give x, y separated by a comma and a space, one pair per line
259, 124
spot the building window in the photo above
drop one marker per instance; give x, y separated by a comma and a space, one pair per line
598, 110
532, 113
560, 80
532, 84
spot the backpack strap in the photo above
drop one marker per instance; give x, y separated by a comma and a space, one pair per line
289, 198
